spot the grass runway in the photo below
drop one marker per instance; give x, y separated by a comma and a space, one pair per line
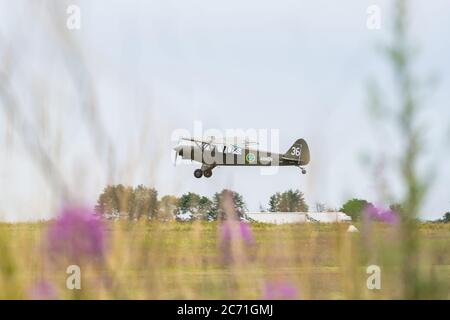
194, 260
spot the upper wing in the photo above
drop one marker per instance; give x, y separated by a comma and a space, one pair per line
231, 141
233, 147
198, 140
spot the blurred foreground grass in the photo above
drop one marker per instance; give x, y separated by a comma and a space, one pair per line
179, 260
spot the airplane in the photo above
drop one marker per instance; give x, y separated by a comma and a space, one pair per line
211, 154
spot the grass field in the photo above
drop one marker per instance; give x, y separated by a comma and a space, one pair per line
200, 260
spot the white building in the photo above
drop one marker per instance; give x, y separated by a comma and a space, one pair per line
297, 217
328, 217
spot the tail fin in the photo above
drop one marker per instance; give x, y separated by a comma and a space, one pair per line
298, 152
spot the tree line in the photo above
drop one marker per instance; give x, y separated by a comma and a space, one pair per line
140, 202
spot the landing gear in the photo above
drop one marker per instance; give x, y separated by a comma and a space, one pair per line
303, 170
204, 171
198, 173
207, 173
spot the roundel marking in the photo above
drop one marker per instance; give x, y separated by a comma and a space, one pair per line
250, 157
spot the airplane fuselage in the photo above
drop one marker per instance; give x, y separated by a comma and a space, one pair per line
211, 155
235, 157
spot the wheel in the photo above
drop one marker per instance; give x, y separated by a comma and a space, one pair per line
207, 173
198, 173
303, 171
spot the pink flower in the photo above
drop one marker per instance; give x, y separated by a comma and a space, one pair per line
234, 233
76, 234
280, 291
379, 214
237, 230
42, 290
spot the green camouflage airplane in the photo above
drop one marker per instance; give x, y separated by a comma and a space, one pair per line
212, 154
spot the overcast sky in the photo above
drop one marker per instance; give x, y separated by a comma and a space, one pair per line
300, 67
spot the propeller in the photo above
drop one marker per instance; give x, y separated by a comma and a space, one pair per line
177, 151
176, 157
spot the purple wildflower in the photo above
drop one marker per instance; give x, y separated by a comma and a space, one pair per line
236, 240
77, 233
280, 291
237, 230
379, 214
42, 290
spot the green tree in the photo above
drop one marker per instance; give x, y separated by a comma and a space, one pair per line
115, 200
105, 203
135, 203
226, 203
198, 206
125, 198
145, 203
354, 208
288, 201
167, 208
446, 218
187, 202
204, 208
273, 202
